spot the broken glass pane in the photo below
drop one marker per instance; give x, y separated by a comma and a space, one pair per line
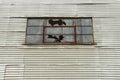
54, 38
57, 38
34, 39
86, 22
35, 22
60, 22
69, 22
50, 39
34, 30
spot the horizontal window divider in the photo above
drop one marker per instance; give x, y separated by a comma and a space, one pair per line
36, 26
34, 34
68, 34
58, 26
59, 18
83, 26
59, 34
83, 34
53, 43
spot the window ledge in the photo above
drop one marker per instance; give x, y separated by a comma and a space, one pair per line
59, 46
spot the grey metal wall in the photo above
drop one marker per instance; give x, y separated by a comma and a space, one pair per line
59, 62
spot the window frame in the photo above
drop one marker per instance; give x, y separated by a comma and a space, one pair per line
61, 43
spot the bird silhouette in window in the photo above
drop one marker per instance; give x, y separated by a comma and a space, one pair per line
59, 22
57, 39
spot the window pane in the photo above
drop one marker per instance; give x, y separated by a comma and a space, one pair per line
86, 30
78, 30
79, 38
78, 22
34, 39
68, 38
60, 22
53, 31
55, 38
35, 22
34, 30
49, 39
85, 38
68, 31
86, 22
69, 22
59, 30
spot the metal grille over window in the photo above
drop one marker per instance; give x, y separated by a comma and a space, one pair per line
59, 31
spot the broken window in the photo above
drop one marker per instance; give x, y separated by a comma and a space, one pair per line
59, 31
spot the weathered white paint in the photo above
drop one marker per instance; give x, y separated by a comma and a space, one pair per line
60, 62
61, 10
57, 1
2, 71
14, 72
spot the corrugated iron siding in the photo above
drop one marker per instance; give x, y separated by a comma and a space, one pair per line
59, 62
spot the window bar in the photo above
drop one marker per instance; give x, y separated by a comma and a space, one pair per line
26, 32
62, 34
43, 31
74, 31
92, 31
81, 40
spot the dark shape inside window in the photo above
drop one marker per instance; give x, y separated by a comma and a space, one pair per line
59, 31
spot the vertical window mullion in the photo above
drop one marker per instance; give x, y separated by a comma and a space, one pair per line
92, 30
26, 32
75, 41
43, 34
81, 38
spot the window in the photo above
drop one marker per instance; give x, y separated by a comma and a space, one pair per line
59, 31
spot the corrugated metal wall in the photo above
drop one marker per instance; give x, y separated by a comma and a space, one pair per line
59, 62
